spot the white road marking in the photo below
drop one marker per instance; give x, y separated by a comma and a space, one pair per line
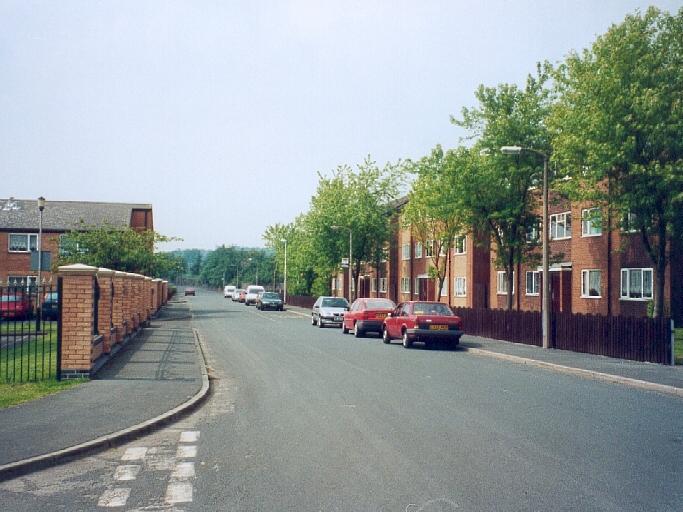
191, 436
135, 453
116, 497
183, 471
178, 492
126, 472
186, 452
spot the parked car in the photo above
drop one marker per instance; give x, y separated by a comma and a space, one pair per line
367, 315
241, 295
190, 291
269, 300
426, 322
228, 291
50, 306
252, 294
329, 310
15, 306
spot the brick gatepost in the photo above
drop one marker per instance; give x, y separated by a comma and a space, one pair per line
105, 308
136, 299
118, 310
128, 303
158, 286
164, 292
78, 349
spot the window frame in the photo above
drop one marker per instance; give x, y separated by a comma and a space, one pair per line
29, 237
460, 291
566, 223
643, 270
429, 249
535, 283
382, 285
458, 250
418, 250
585, 283
405, 285
588, 222
498, 282
405, 252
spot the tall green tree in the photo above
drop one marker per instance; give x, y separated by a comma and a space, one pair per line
498, 190
435, 210
618, 128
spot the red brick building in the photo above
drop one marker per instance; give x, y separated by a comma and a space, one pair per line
596, 267
19, 220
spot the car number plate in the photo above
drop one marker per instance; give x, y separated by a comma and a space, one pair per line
381, 315
438, 327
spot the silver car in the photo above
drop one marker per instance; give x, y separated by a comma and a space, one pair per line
329, 310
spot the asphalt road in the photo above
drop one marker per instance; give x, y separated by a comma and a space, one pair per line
309, 419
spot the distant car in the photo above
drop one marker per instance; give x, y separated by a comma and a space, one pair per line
242, 295
190, 291
329, 310
50, 306
15, 306
252, 294
422, 321
269, 300
228, 291
367, 315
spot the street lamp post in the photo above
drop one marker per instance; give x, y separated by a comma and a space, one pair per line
545, 305
39, 246
284, 298
350, 260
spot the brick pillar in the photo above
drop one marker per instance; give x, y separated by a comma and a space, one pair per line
118, 313
78, 319
105, 308
157, 294
164, 292
137, 299
128, 303
149, 297
134, 301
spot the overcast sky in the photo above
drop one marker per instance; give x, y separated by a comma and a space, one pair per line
221, 113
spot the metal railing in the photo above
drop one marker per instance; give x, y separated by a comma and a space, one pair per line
29, 341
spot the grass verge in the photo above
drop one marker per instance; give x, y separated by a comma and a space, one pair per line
13, 394
678, 346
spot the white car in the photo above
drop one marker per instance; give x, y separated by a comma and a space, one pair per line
252, 294
229, 291
329, 311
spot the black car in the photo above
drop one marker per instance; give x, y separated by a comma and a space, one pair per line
50, 306
269, 300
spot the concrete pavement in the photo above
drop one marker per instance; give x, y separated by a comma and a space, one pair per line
157, 376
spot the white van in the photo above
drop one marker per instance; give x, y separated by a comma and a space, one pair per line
252, 294
229, 291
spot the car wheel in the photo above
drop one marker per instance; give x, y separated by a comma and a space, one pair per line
407, 343
344, 329
312, 320
320, 323
357, 331
385, 336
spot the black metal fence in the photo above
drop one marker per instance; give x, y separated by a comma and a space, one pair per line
29, 341
637, 339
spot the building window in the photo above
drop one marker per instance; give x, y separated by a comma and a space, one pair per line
636, 283
629, 223
533, 233
373, 284
460, 287
22, 281
561, 226
334, 283
416, 290
590, 283
22, 242
429, 248
405, 252
533, 283
502, 283
460, 245
442, 249
444, 288
591, 222
418, 250
383, 285
405, 285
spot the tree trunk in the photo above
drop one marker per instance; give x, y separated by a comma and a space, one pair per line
660, 270
510, 277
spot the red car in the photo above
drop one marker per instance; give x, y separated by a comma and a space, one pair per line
367, 315
427, 322
15, 305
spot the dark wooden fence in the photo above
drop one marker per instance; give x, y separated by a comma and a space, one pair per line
303, 301
634, 338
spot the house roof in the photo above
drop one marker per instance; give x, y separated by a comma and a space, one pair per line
22, 214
